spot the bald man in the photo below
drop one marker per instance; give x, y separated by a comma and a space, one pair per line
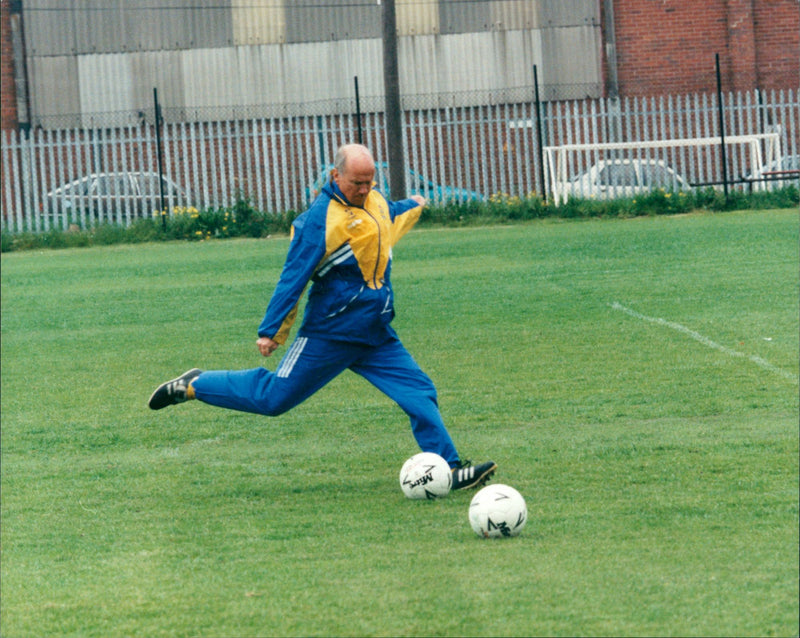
342, 245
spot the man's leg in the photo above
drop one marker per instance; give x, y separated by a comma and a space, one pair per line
392, 370
307, 366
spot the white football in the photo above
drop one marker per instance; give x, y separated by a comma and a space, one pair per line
426, 475
497, 511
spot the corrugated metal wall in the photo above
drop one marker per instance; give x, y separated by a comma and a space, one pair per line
263, 23
82, 27
326, 20
96, 61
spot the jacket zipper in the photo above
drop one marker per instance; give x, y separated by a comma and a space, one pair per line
344, 202
378, 255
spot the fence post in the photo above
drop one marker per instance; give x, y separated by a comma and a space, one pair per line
160, 157
722, 129
358, 111
394, 122
539, 150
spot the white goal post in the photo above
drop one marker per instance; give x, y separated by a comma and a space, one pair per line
696, 158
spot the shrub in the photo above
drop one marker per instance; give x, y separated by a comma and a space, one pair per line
6, 242
144, 230
661, 202
243, 220
107, 234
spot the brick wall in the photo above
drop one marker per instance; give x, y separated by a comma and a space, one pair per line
777, 29
8, 94
669, 46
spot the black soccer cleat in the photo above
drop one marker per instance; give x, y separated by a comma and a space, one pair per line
174, 391
467, 476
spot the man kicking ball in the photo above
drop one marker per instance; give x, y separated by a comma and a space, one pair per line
343, 245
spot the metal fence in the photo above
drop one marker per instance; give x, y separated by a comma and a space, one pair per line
274, 162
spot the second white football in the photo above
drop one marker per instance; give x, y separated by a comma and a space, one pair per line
498, 511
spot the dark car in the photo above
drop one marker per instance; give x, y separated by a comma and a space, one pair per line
114, 195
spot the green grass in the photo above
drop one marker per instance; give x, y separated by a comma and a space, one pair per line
657, 447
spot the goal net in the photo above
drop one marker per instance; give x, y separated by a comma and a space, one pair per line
625, 169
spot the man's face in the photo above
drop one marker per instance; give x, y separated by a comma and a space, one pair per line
355, 180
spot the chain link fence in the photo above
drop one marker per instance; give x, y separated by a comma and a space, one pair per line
365, 104
89, 174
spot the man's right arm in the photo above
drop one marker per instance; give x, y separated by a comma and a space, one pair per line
305, 251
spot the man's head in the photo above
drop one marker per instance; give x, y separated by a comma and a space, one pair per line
354, 172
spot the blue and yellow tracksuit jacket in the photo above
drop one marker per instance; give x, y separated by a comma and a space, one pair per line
346, 252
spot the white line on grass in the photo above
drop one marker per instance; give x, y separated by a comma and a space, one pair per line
766, 365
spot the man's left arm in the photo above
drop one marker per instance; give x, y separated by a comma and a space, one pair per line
405, 214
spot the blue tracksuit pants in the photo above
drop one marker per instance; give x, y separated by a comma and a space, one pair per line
310, 363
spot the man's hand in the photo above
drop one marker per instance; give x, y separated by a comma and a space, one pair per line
419, 199
266, 346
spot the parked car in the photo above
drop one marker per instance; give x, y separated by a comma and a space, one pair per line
112, 195
624, 177
416, 184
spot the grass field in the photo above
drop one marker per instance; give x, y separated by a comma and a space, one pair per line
636, 380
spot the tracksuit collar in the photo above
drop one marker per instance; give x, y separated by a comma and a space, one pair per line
333, 191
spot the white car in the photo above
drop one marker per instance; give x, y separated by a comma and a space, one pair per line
101, 194
623, 177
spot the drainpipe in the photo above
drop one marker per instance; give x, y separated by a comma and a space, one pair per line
20, 74
610, 38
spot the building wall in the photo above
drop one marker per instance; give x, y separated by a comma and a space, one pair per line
669, 46
777, 36
109, 60
216, 60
